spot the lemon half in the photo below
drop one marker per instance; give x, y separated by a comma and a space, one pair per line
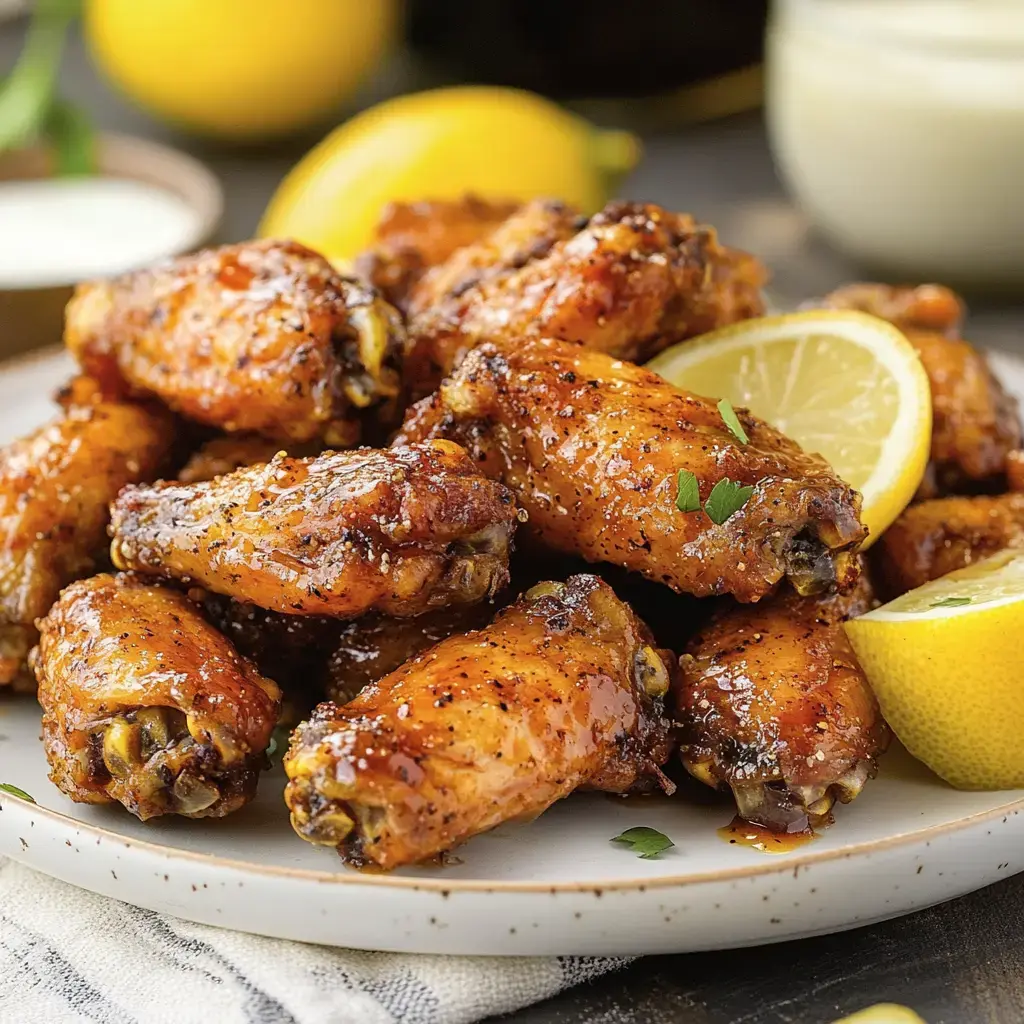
841, 383
946, 664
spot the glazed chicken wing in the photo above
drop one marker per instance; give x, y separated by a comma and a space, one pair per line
936, 537
262, 336
976, 424
774, 706
563, 690
413, 237
593, 449
400, 531
634, 280
370, 647
56, 486
146, 704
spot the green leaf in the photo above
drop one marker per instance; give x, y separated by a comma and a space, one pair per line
70, 133
14, 791
278, 745
688, 495
952, 602
726, 499
646, 842
732, 421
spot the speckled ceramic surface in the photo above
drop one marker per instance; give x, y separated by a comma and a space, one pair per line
554, 886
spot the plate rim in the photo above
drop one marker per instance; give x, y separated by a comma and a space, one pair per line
788, 863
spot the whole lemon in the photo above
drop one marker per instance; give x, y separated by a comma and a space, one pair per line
239, 69
494, 142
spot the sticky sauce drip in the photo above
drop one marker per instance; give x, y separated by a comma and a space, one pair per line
740, 832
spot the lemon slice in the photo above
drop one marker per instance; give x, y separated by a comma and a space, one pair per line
841, 383
883, 1013
946, 664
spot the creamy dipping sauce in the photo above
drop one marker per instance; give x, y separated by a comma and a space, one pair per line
63, 230
899, 127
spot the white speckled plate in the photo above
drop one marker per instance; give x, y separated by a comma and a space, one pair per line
554, 886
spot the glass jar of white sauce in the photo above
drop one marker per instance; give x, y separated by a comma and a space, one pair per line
898, 125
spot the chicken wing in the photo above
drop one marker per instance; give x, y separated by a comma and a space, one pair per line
56, 486
773, 705
372, 646
936, 537
593, 449
563, 690
400, 531
413, 237
225, 454
976, 424
262, 336
146, 704
634, 280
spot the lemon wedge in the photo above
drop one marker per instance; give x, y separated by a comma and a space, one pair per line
841, 383
883, 1013
946, 664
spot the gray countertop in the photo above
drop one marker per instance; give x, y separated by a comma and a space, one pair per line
960, 963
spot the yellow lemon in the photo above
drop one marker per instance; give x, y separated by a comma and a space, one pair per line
239, 69
883, 1013
946, 664
844, 384
497, 143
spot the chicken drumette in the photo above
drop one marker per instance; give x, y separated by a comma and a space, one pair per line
56, 486
630, 281
145, 704
593, 449
975, 423
563, 690
401, 531
262, 336
773, 705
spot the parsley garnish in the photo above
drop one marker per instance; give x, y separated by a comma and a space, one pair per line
688, 496
278, 744
646, 842
14, 791
726, 499
951, 602
732, 421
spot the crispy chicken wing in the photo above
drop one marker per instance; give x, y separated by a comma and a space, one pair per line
400, 531
262, 336
593, 448
563, 690
413, 237
976, 424
773, 705
56, 486
225, 454
634, 280
372, 646
146, 704
935, 537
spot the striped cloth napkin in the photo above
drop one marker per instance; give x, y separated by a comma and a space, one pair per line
67, 955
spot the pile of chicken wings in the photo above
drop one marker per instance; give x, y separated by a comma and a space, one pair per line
420, 514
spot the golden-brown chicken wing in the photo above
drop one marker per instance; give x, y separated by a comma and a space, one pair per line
634, 280
563, 690
370, 647
225, 454
146, 704
593, 448
935, 537
413, 237
773, 705
976, 424
400, 531
56, 486
262, 336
